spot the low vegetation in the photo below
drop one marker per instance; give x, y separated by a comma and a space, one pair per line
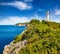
42, 38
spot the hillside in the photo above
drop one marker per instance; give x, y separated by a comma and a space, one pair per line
42, 38
38, 38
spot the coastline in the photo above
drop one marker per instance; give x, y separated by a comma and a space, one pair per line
14, 47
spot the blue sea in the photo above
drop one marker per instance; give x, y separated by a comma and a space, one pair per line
8, 33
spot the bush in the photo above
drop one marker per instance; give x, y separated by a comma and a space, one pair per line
42, 38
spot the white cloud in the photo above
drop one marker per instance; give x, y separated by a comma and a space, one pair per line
40, 10
16, 19
28, 0
18, 4
36, 16
55, 18
13, 20
57, 11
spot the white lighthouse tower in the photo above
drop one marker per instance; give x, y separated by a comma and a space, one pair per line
47, 16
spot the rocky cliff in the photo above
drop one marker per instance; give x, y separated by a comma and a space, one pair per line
14, 48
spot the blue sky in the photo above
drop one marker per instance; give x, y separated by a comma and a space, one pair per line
18, 11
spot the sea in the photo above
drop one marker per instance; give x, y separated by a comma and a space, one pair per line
8, 33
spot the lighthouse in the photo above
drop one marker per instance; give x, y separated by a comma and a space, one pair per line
47, 16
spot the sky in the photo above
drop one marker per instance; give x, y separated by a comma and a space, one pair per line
18, 11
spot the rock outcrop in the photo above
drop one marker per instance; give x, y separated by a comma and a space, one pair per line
14, 48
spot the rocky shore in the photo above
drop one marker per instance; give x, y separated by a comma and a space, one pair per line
14, 48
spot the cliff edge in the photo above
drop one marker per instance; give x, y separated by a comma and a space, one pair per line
14, 48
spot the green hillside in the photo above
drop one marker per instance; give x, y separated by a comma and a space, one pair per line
42, 38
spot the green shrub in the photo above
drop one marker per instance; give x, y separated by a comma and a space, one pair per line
42, 38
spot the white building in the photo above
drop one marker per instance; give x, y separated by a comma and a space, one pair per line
47, 16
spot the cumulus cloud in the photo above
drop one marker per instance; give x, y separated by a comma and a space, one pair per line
57, 11
13, 20
18, 4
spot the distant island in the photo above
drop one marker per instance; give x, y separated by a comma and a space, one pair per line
22, 24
